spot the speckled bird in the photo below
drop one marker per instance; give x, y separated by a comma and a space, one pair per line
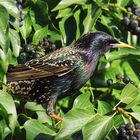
60, 73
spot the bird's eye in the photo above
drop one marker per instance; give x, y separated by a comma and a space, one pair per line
106, 42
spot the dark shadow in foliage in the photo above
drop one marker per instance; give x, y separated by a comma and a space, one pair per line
77, 136
8, 137
70, 102
18, 135
70, 26
41, 12
44, 137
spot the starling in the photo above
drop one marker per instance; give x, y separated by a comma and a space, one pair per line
60, 73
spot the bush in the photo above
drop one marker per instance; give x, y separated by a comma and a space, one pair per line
32, 28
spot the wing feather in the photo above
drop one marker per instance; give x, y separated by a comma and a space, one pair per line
44, 67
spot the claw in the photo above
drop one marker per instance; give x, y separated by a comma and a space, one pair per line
56, 117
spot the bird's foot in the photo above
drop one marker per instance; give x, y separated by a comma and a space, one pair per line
56, 117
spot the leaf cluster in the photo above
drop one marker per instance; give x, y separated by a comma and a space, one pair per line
96, 111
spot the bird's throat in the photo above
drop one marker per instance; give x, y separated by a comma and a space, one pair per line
90, 59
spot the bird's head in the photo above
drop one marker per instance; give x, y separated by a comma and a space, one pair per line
99, 42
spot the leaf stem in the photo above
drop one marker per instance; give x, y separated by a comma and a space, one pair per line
117, 6
116, 105
125, 114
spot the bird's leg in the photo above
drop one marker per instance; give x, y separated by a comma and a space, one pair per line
50, 108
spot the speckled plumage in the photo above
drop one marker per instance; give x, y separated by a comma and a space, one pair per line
59, 73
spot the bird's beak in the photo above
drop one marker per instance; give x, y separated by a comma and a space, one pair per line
122, 45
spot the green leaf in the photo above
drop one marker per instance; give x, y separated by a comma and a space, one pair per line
73, 121
137, 2
103, 107
136, 108
4, 130
40, 34
136, 115
83, 102
64, 12
8, 103
118, 120
4, 17
3, 62
39, 14
106, 22
34, 128
53, 32
2, 55
122, 2
124, 53
93, 14
67, 33
129, 70
102, 2
111, 71
41, 112
15, 41
135, 102
11, 58
34, 106
26, 28
4, 40
77, 19
98, 128
10, 6
43, 117
129, 93
66, 3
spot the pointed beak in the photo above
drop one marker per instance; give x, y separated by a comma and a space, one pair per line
122, 45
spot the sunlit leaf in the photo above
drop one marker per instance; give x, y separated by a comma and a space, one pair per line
10, 6
103, 107
15, 41
83, 102
4, 40
106, 21
3, 18
98, 128
77, 18
93, 14
34, 106
34, 128
8, 103
65, 3
39, 34
124, 53
122, 2
4, 130
118, 120
11, 58
136, 115
137, 2
129, 93
26, 28
64, 12
73, 121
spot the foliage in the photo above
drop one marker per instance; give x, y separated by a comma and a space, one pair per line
96, 111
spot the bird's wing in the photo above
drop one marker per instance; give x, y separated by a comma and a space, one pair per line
57, 63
